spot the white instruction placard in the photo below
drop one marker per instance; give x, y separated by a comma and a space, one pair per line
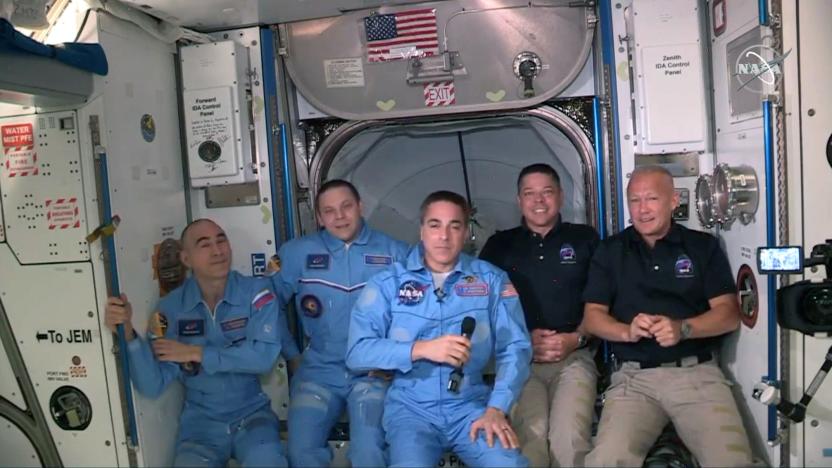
673, 93
344, 73
210, 132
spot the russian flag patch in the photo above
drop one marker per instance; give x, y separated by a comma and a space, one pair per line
262, 298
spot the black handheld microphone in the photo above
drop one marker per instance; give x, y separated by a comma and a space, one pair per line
468, 325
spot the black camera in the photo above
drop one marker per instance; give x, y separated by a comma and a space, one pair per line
805, 306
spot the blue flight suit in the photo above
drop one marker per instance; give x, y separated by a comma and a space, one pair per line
226, 414
421, 417
325, 276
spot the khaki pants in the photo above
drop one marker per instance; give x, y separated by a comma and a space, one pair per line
553, 417
698, 401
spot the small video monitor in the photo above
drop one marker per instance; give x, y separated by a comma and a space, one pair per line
780, 260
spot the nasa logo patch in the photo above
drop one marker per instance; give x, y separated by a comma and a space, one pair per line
412, 292
683, 267
567, 254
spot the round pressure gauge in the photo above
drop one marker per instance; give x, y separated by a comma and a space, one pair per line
705, 201
735, 193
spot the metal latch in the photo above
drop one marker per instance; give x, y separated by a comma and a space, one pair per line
443, 67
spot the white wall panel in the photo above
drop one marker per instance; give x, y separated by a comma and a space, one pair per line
9, 389
816, 124
42, 192
250, 227
51, 309
16, 448
739, 141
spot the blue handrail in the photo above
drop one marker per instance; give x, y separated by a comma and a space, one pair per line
109, 244
772, 279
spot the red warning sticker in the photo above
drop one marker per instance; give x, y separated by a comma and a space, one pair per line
77, 372
63, 213
439, 93
19, 155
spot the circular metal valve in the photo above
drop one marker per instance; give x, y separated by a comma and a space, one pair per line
735, 194
527, 66
70, 408
705, 201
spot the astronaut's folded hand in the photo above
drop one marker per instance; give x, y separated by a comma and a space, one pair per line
448, 349
174, 351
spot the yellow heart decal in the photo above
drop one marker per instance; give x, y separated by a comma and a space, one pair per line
257, 105
386, 105
495, 96
623, 71
267, 213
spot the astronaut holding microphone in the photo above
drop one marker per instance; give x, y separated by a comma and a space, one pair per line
436, 320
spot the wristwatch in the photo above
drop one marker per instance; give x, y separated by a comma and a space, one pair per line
583, 340
685, 330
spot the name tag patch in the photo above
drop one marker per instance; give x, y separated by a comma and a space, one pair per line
194, 327
470, 286
378, 260
234, 324
317, 261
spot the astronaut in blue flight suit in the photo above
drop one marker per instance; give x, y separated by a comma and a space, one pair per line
408, 320
325, 273
220, 330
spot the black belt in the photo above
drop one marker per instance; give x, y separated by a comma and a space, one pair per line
687, 361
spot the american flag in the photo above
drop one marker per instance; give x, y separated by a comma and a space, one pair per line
401, 35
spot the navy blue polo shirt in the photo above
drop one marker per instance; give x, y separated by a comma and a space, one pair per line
549, 272
675, 278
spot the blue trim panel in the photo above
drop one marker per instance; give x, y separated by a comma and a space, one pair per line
599, 167
110, 246
608, 55
770, 241
270, 95
762, 11
289, 196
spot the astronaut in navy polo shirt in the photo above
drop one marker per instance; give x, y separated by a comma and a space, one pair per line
410, 320
664, 298
547, 260
324, 272
216, 333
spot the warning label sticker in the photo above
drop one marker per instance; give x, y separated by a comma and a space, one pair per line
63, 213
19, 155
77, 372
440, 93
